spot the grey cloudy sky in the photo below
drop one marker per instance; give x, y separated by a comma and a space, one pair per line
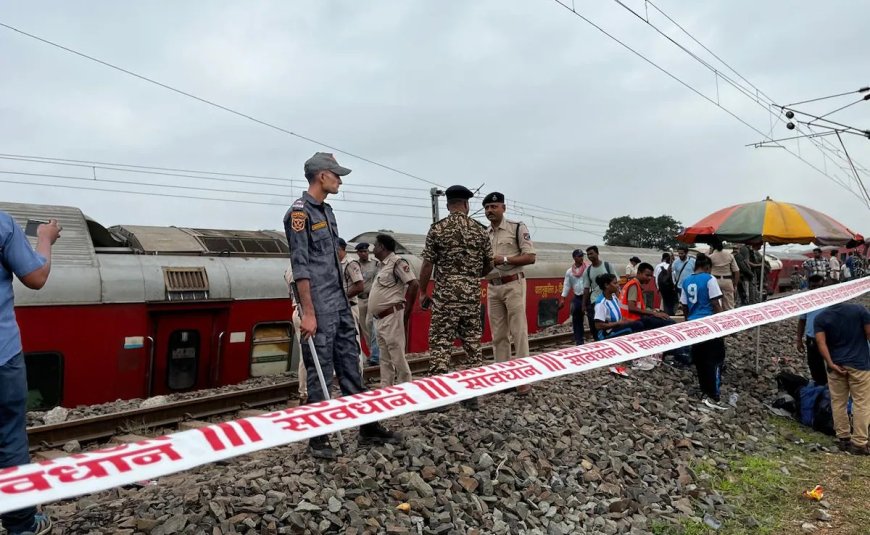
523, 97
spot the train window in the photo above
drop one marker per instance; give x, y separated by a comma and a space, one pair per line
44, 380
183, 360
548, 312
270, 349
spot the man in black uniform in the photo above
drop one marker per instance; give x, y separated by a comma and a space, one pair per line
312, 235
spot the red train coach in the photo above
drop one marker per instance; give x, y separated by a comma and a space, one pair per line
136, 311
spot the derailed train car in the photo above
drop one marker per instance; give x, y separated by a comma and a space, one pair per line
135, 311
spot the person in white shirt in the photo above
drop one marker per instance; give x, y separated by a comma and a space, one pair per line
835, 265
631, 268
573, 285
608, 314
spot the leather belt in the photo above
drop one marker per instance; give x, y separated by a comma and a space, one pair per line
720, 277
390, 310
505, 280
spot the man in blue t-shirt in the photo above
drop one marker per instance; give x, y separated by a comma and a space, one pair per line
842, 333
32, 268
805, 331
701, 297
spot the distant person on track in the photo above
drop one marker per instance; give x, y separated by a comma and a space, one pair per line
32, 268
634, 307
512, 249
663, 274
391, 301
702, 297
592, 291
683, 266
842, 333
369, 267
631, 267
817, 265
312, 235
727, 273
749, 274
834, 262
459, 251
573, 286
806, 338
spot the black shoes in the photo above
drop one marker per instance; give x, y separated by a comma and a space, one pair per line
320, 448
374, 434
472, 404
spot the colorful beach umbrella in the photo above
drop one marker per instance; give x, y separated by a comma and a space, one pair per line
769, 221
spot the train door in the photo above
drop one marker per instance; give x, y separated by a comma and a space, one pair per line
186, 351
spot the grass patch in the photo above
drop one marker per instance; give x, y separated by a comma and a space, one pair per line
767, 499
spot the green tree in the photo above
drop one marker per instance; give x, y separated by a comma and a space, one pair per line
648, 232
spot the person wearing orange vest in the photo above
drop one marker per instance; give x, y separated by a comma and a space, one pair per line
632, 305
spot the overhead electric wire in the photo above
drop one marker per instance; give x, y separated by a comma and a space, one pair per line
90, 163
198, 188
700, 93
176, 196
218, 106
862, 90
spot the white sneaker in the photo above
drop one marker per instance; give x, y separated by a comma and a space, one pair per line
714, 405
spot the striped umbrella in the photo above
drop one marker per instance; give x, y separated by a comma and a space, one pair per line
771, 222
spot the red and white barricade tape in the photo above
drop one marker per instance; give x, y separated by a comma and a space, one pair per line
84, 473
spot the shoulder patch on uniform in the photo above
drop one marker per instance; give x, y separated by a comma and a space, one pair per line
405, 266
298, 204
297, 221
319, 225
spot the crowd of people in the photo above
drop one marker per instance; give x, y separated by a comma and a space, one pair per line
340, 301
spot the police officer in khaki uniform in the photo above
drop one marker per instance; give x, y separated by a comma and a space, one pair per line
369, 269
394, 291
506, 286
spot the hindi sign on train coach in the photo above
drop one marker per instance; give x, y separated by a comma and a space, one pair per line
83, 473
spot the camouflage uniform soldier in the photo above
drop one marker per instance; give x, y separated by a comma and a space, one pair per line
459, 250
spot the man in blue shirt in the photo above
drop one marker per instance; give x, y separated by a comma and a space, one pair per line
701, 297
683, 266
842, 333
805, 331
32, 268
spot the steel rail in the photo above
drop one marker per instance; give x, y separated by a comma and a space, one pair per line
172, 413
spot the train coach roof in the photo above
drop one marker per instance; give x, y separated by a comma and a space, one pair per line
546, 251
187, 241
75, 246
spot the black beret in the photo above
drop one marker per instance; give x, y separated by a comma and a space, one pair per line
458, 192
493, 197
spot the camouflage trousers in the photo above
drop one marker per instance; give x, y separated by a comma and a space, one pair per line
449, 322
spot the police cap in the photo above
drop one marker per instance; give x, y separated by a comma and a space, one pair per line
458, 192
324, 161
493, 197
362, 246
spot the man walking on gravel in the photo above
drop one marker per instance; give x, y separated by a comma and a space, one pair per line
842, 332
32, 269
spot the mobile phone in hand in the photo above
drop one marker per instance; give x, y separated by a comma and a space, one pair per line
32, 226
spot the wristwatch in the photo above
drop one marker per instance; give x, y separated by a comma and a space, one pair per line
504, 260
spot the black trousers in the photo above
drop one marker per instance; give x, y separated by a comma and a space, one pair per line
709, 357
816, 363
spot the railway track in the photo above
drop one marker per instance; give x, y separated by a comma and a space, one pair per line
173, 413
